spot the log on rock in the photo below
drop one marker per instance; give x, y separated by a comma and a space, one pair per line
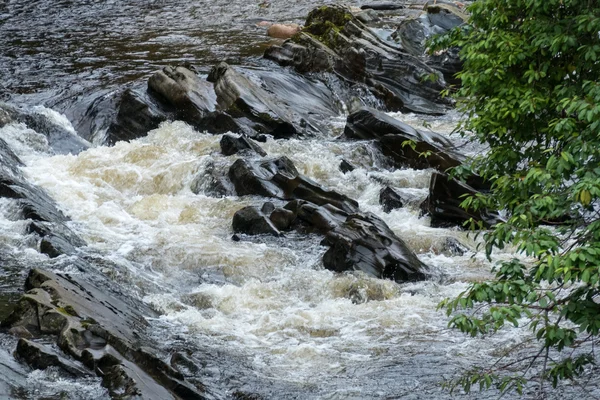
280, 179
335, 40
443, 203
392, 136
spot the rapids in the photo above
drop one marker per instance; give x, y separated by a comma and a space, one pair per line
262, 314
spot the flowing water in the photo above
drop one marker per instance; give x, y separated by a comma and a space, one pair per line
264, 313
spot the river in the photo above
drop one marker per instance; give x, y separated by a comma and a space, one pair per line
268, 319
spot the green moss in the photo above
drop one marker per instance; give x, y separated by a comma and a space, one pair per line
67, 310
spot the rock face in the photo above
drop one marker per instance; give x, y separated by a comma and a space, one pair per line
365, 242
334, 40
391, 136
357, 241
104, 333
443, 203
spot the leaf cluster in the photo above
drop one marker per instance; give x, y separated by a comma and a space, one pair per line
531, 93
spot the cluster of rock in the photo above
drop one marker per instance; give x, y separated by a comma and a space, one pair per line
334, 58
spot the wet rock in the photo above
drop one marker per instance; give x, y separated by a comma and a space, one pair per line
250, 220
267, 208
231, 144
39, 356
61, 135
138, 114
346, 167
283, 31
212, 181
289, 107
102, 331
279, 178
282, 218
20, 332
364, 242
54, 246
443, 203
392, 137
382, 6
389, 199
452, 247
335, 40
412, 34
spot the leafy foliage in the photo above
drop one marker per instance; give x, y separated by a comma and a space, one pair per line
531, 93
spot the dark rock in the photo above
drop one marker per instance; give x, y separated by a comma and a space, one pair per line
389, 199
62, 139
138, 114
213, 181
183, 89
39, 356
443, 203
267, 208
231, 144
412, 34
101, 331
279, 178
55, 246
282, 218
452, 247
364, 242
336, 41
283, 105
392, 136
250, 220
382, 6
236, 238
346, 167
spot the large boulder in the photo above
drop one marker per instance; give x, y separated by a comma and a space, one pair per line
364, 242
334, 40
443, 203
232, 144
252, 221
280, 179
402, 143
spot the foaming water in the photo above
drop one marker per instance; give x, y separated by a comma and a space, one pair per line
269, 299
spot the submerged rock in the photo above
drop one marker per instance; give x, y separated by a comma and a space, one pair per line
402, 143
334, 40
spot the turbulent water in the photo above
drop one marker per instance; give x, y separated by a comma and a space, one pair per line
270, 319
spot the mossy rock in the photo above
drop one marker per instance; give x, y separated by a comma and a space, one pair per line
323, 19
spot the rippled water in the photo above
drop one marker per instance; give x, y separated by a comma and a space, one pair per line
262, 313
